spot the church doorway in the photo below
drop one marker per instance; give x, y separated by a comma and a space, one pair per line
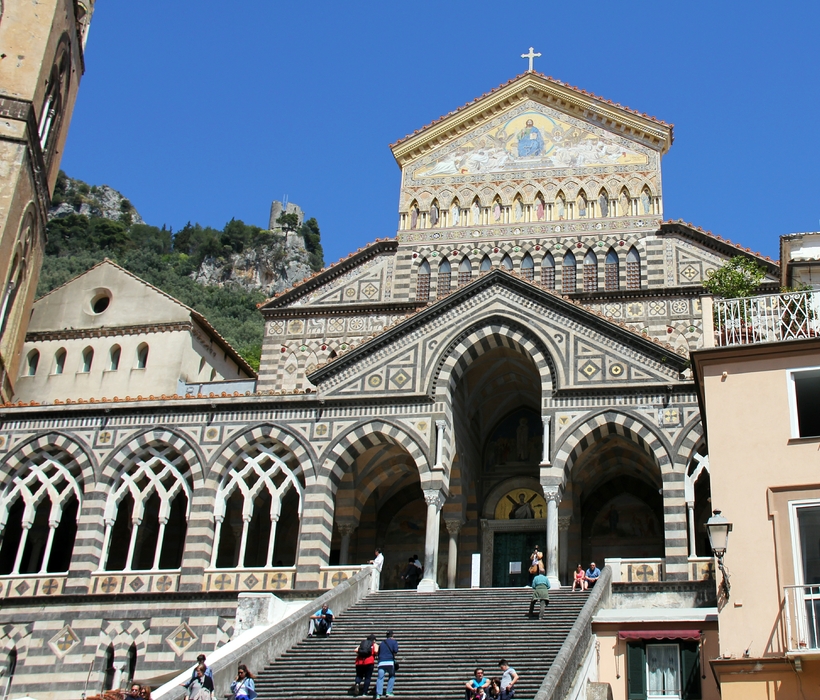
511, 556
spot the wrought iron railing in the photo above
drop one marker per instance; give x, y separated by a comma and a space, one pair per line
767, 319
802, 612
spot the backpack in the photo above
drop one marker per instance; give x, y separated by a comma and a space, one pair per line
365, 649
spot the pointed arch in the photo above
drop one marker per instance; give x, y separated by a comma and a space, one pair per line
590, 271
443, 279
32, 362
423, 281
633, 269
59, 361
497, 210
290, 372
527, 267
548, 271
560, 206
611, 278
603, 203
475, 212
465, 271
114, 358
88, 359
581, 204
568, 273
485, 266
506, 262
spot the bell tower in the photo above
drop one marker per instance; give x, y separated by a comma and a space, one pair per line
40, 70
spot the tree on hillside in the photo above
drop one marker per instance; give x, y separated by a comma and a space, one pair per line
310, 233
288, 222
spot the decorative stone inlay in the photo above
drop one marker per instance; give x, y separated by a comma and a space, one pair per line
22, 587
181, 639
279, 580
109, 584
400, 378
251, 581
136, 584
222, 582
63, 642
50, 586
338, 577
163, 583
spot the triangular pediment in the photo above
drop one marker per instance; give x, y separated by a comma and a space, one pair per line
585, 349
568, 112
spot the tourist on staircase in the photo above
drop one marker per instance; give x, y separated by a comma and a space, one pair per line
243, 687
536, 564
579, 579
365, 660
378, 564
321, 622
508, 680
593, 573
411, 574
477, 686
540, 595
388, 651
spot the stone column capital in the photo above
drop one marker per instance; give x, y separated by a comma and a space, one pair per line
346, 529
564, 522
453, 526
434, 497
552, 495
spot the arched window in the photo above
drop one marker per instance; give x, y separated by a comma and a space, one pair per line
590, 271
13, 284
142, 356
506, 262
443, 281
146, 514
611, 270
59, 361
527, 267
486, 265
11, 669
423, 281
603, 203
568, 273
646, 201
548, 271
32, 361
38, 517
114, 358
132, 663
88, 359
109, 672
633, 269
259, 492
465, 271
581, 205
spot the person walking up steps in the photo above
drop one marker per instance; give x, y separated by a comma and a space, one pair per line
365, 659
388, 650
540, 595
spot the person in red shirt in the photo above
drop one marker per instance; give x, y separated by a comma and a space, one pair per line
365, 660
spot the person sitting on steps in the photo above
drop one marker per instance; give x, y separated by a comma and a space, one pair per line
321, 622
579, 580
477, 686
593, 573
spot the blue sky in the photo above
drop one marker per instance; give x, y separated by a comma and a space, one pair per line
204, 111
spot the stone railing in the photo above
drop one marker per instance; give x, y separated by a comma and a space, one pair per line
636, 570
570, 658
261, 649
768, 318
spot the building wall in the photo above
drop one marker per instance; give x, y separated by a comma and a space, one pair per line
39, 88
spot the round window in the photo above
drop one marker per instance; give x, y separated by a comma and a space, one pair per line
100, 301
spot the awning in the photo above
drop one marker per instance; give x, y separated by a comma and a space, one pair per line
659, 634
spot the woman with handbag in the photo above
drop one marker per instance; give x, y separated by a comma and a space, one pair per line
536, 564
201, 685
243, 688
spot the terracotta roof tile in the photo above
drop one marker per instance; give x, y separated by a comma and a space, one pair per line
519, 77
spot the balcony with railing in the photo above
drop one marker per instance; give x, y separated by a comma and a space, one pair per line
802, 612
769, 318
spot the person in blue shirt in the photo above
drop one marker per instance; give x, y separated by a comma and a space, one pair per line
388, 650
321, 622
478, 682
592, 574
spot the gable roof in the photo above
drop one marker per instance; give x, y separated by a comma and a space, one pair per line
331, 272
195, 315
531, 85
594, 319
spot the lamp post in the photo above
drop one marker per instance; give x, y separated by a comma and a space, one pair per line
719, 528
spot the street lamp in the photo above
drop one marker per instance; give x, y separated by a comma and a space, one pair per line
719, 528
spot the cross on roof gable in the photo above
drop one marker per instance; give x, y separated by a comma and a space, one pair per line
573, 101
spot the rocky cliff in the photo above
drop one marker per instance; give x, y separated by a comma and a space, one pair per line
95, 201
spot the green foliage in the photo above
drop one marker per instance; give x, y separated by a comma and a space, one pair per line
310, 233
738, 277
288, 222
59, 189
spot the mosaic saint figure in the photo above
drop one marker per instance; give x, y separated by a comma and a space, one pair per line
530, 141
521, 510
433, 214
496, 212
582, 205
519, 210
539, 209
476, 211
414, 216
645, 202
623, 204
603, 204
455, 214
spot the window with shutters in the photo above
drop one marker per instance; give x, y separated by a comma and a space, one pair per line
611, 270
568, 274
633, 269
423, 282
527, 268
590, 272
443, 281
465, 271
548, 271
668, 670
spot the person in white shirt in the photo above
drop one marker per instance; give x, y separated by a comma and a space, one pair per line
378, 563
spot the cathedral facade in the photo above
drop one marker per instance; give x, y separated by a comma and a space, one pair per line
509, 370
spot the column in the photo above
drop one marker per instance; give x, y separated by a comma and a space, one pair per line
345, 530
435, 500
690, 507
545, 452
563, 546
553, 498
453, 528
439, 443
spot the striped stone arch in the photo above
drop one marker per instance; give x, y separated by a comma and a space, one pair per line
596, 427
121, 634
141, 442
49, 442
352, 497
370, 434
692, 439
480, 337
240, 442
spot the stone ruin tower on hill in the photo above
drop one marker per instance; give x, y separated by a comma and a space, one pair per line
278, 208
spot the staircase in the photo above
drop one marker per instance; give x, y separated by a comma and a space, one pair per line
442, 638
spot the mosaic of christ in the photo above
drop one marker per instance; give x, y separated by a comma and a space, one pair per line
531, 140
